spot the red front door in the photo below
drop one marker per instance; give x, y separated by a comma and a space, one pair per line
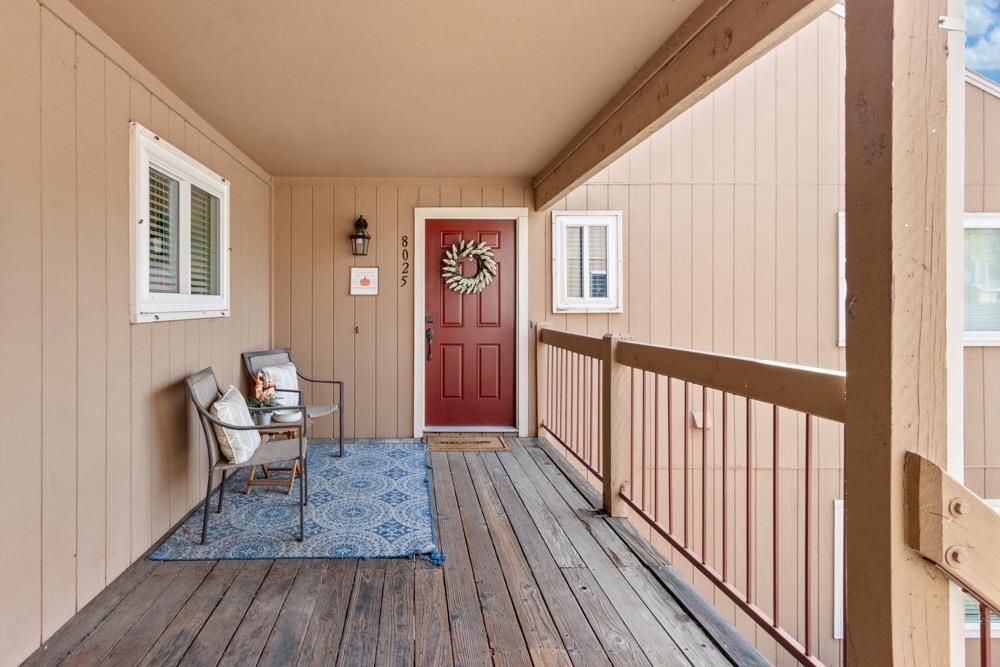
470, 358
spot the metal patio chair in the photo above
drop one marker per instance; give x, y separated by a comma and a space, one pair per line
254, 361
204, 391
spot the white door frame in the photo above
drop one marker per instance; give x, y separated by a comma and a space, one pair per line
523, 326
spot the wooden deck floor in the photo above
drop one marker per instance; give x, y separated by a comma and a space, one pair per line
533, 576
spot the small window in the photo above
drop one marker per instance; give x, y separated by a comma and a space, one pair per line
586, 261
180, 233
982, 279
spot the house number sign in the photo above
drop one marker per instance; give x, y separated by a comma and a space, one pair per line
404, 253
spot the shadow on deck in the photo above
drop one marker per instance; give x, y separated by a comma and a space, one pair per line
534, 575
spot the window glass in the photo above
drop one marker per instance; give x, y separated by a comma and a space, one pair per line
982, 279
597, 261
204, 242
163, 233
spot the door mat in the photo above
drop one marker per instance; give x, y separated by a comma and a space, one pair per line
460, 442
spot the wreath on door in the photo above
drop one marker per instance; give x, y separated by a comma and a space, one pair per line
451, 267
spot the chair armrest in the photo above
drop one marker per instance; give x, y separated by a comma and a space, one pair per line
339, 383
256, 427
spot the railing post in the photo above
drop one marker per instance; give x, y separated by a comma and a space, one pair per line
615, 412
541, 377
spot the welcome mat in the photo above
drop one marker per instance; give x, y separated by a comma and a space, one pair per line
464, 442
374, 502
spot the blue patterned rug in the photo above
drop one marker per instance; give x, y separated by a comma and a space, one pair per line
373, 503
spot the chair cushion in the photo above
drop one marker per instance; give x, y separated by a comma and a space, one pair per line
236, 446
284, 376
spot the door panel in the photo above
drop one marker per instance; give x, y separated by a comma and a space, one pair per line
470, 376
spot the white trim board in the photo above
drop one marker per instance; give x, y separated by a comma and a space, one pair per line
523, 325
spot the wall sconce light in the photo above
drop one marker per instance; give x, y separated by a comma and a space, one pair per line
360, 237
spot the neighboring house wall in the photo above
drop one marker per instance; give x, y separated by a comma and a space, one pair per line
94, 429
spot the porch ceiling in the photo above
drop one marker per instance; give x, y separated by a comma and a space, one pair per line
390, 87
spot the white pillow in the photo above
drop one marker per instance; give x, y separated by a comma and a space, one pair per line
284, 377
237, 446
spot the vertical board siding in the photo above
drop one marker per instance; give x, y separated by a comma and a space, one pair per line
982, 364
116, 461
366, 341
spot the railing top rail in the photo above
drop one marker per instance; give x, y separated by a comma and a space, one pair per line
589, 346
813, 391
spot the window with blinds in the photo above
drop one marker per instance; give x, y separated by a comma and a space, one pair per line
181, 214
586, 261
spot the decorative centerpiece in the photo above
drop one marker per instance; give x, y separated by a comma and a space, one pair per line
451, 267
263, 397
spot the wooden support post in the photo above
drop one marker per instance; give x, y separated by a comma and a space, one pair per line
541, 377
896, 99
615, 413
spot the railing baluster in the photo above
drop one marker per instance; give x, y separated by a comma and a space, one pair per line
725, 486
985, 636
704, 473
687, 442
774, 510
808, 536
670, 454
642, 475
631, 433
656, 447
749, 507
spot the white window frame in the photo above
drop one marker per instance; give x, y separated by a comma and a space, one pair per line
150, 150
981, 338
561, 303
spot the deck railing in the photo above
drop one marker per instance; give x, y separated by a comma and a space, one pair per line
729, 459
715, 454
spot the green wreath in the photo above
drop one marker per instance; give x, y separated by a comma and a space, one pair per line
451, 267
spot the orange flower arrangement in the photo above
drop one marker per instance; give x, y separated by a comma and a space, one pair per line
263, 393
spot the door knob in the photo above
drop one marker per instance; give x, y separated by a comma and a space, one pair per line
429, 335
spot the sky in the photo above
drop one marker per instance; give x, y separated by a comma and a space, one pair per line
982, 37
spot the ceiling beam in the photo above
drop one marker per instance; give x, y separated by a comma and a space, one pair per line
719, 39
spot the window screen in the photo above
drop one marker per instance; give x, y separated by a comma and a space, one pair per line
982, 279
204, 242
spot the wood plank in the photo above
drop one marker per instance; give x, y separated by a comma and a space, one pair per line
589, 346
431, 633
397, 620
322, 303
148, 627
290, 628
540, 632
250, 637
98, 643
360, 640
84, 621
21, 325
582, 645
618, 642
326, 627
506, 640
655, 643
175, 640
387, 328
686, 68
343, 304
59, 324
468, 630
897, 219
365, 322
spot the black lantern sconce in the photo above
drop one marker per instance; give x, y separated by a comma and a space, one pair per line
360, 237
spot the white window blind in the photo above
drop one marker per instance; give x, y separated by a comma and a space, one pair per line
204, 242
164, 253
586, 261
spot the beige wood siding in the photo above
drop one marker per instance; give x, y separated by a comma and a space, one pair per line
366, 341
94, 427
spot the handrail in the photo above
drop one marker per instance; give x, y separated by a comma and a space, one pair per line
814, 391
588, 346
955, 529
